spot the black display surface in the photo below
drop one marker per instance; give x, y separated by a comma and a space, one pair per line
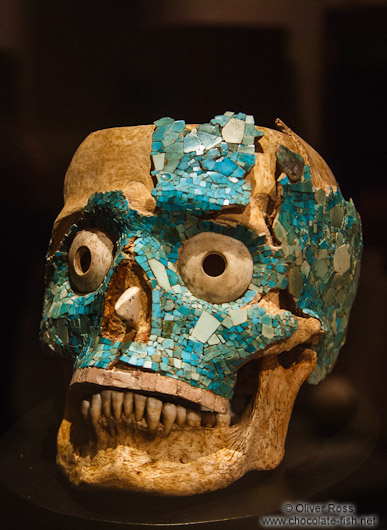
320, 452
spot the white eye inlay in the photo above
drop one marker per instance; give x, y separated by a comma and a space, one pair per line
215, 267
90, 258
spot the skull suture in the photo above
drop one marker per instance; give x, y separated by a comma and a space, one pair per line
197, 276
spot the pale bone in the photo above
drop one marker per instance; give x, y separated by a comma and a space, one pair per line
168, 415
223, 419
181, 414
139, 406
128, 306
119, 159
193, 418
153, 413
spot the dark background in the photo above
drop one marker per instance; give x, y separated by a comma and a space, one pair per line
71, 68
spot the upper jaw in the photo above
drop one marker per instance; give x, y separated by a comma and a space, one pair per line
169, 389
139, 380
144, 399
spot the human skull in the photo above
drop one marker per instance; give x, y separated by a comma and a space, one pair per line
197, 276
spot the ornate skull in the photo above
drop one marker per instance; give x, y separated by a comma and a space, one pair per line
196, 277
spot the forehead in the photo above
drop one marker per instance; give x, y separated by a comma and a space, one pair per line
205, 168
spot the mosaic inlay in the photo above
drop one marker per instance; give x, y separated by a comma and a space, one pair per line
196, 172
320, 235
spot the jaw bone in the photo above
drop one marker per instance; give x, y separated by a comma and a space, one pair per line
126, 453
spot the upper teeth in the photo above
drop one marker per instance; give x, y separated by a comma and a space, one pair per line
125, 404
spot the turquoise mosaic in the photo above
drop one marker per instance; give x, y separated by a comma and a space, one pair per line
72, 322
320, 235
193, 340
199, 170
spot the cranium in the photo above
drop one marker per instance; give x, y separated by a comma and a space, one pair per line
196, 277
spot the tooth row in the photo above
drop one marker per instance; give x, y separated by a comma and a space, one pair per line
113, 404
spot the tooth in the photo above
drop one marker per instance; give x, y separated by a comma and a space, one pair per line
208, 418
153, 412
128, 306
139, 402
117, 399
193, 419
85, 408
181, 414
95, 409
128, 404
106, 396
169, 416
223, 419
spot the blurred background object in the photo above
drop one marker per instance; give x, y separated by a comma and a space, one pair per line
69, 68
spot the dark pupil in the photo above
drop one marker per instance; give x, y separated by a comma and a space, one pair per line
83, 258
214, 264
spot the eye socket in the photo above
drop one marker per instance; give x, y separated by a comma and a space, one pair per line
215, 267
90, 258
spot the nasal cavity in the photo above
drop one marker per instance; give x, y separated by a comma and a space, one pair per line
128, 306
214, 264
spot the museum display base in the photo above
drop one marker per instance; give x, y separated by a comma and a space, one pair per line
319, 453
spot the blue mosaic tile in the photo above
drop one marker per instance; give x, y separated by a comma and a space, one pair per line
198, 172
